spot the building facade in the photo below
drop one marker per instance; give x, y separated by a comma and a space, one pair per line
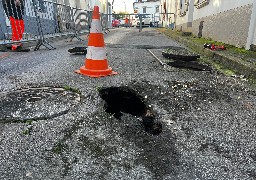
147, 7
103, 4
229, 21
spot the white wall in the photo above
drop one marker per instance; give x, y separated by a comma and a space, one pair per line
151, 7
191, 10
83, 4
93, 3
170, 8
182, 19
217, 6
251, 39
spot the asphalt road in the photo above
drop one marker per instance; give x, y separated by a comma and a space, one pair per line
50, 132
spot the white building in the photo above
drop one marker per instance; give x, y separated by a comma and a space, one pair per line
73, 3
86, 4
147, 7
229, 21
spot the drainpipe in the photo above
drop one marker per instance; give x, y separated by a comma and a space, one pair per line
252, 27
175, 13
109, 14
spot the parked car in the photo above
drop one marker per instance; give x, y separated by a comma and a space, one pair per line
122, 22
146, 19
115, 23
133, 20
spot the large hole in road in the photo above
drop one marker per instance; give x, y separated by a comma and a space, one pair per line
122, 100
119, 100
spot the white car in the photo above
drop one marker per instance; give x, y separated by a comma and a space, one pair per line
122, 22
146, 19
134, 20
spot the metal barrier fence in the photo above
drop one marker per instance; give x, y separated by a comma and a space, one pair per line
137, 18
42, 20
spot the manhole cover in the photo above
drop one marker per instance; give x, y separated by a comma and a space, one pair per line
36, 103
119, 100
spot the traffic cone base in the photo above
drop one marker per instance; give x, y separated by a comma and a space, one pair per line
96, 64
96, 73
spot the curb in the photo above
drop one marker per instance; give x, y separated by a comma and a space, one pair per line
230, 62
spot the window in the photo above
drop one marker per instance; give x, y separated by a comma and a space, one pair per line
197, 1
201, 3
183, 7
78, 5
144, 9
157, 9
60, 1
66, 2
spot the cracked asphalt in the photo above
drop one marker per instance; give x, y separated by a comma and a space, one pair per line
208, 119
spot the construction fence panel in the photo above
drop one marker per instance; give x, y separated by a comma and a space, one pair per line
135, 19
104, 21
42, 20
8, 10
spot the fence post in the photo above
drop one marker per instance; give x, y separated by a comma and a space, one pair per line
42, 40
75, 35
140, 18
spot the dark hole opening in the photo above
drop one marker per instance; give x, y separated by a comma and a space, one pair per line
122, 100
119, 100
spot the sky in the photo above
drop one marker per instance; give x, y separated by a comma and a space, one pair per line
119, 6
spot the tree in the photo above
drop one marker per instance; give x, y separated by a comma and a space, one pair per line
120, 15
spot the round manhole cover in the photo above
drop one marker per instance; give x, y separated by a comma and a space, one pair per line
36, 103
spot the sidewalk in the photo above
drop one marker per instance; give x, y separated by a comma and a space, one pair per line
238, 60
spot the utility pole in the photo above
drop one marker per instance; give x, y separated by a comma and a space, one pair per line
124, 6
110, 12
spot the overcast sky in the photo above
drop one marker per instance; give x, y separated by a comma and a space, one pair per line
119, 6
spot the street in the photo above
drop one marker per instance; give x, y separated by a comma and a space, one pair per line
56, 124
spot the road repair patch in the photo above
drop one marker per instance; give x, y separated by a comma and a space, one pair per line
36, 103
192, 65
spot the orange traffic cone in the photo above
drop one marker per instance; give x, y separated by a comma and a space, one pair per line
96, 64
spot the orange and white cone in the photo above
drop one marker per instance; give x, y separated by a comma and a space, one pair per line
96, 64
